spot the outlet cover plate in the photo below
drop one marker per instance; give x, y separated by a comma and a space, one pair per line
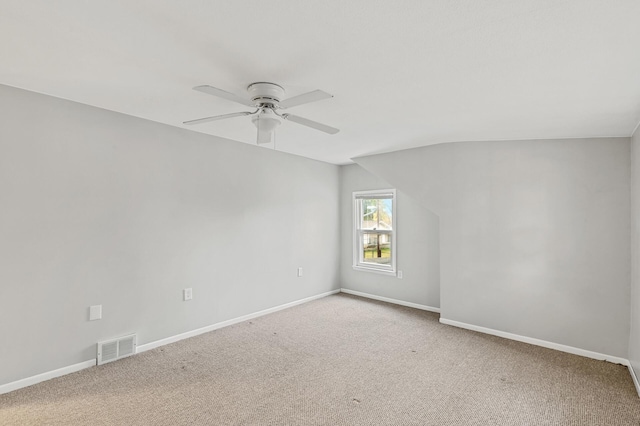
95, 312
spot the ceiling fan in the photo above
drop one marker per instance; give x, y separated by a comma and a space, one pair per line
267, 98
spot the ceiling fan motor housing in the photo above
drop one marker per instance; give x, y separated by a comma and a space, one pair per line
265, 93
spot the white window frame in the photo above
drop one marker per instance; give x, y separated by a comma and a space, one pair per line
358, 263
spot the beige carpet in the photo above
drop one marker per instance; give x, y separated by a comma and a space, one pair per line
340, 360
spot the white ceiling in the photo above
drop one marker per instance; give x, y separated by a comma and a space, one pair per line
403, 73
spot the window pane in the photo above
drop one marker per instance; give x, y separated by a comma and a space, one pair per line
374, 234
376, 248
376, 214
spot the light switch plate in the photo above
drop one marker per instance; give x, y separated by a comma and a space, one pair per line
95, 312
399, 275
299, 272
187, 294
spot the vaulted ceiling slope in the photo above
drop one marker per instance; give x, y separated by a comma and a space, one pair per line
404, 74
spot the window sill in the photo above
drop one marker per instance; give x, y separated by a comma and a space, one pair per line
387, 272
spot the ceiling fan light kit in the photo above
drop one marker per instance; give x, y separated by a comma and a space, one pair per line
266, 122
267, 98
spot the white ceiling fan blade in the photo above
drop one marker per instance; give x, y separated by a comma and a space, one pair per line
217, 117
311, 123
305, 98
223, 94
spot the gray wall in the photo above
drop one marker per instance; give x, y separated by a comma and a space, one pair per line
417, 240
634, 336
102, 208
534, 235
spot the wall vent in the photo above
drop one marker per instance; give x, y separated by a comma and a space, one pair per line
111, 350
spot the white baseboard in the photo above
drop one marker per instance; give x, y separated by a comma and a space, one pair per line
23, 383
538, 342
216, 326
635, 378
389, 300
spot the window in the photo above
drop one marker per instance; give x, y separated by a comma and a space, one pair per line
374, 247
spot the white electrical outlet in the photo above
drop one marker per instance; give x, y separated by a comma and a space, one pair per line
299, 272
399, 275
95, 312
187, 294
